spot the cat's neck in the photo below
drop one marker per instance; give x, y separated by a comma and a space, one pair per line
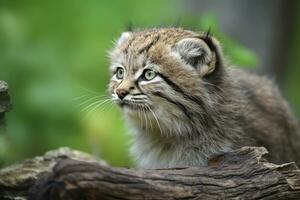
155, 145
154, 152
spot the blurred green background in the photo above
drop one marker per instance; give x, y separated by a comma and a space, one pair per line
53, 55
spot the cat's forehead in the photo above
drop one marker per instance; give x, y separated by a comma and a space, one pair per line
136, 55
140, 41
135, 50
132, 62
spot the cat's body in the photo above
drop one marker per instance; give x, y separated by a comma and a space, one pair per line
186, 105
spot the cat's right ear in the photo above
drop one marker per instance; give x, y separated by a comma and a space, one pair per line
200, 53
125, 36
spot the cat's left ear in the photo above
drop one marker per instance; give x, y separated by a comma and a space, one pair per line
201, 53
125, 36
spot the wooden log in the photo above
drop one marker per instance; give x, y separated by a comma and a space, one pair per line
63, 174
16, 180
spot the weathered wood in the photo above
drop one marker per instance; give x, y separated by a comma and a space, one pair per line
5, 104
16, 180
242, 174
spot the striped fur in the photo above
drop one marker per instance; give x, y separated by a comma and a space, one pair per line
197, 106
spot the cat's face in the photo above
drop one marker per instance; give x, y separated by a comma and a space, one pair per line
160, 73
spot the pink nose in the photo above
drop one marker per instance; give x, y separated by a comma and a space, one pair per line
121, 93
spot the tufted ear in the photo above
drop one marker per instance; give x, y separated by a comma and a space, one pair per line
125, 36
197, 53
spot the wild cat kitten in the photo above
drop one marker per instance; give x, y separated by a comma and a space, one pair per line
186, 105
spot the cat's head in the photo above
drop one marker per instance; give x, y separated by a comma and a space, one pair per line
163, 72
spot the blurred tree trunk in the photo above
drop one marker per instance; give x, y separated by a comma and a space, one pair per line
291, 83
266, 27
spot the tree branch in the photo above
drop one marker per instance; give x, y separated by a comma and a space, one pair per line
69, 174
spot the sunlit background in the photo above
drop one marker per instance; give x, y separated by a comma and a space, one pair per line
53, 56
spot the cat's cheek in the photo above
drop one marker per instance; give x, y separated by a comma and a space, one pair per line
112, 86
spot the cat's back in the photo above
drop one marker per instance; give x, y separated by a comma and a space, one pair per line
266, 116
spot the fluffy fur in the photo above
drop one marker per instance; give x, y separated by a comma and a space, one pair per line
196, 107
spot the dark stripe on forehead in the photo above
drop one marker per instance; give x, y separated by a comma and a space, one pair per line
148, 46
179, 105
178, 89
128, 44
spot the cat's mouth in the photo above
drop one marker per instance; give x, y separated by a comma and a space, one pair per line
132, 102
133, 105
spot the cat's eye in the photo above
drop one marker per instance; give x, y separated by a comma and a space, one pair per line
120, 73
149, 74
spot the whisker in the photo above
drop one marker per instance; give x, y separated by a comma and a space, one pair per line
150, 121
92, 104
104, 106
88, 100
80, 97
89, 90
138, 99
140, 113
99, 104
155, 119
145, 118
110, 106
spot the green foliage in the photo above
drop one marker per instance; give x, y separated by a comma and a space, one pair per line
50, 50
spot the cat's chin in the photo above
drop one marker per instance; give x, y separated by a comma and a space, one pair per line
134, 107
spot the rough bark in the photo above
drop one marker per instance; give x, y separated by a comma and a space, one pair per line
4, 102
68, 174
16, 180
